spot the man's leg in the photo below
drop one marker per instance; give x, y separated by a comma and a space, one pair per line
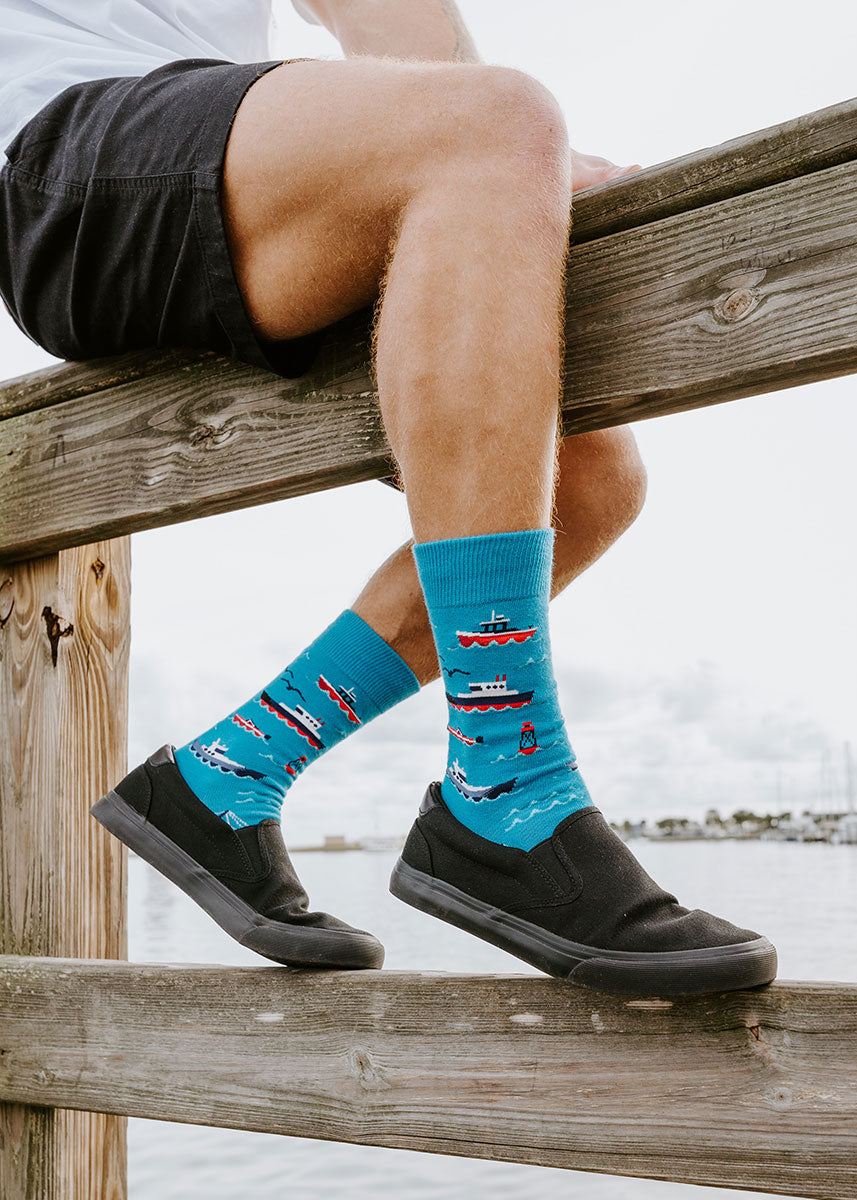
475, 202
455, 179
321, 252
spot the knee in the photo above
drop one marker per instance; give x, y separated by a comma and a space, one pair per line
603, 480
520, 114
631, 480
501, 116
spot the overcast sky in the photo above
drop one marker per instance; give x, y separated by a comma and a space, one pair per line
709, 658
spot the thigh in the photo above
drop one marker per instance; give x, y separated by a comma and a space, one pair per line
111, 234
320, 162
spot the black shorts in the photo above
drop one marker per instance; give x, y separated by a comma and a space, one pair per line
111, 230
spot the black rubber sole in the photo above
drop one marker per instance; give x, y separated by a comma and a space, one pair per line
628, 973
290, 945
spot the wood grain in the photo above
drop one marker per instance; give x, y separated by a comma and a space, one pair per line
62, 878
754, 1090
215, 436
66, 381
808, 143
748, 295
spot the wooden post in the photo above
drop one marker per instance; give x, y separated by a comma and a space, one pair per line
64, 639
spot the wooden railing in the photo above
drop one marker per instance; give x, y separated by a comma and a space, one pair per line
723, 274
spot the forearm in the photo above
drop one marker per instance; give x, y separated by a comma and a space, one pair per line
423, 30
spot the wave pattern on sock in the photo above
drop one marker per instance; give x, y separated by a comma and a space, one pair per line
511, 774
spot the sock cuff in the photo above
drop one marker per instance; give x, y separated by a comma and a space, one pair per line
362, 654
508, 566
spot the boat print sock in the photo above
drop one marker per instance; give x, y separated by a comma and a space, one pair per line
511, 775
243, 766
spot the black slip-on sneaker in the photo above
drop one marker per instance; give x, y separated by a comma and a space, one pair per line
243, 878
578, 906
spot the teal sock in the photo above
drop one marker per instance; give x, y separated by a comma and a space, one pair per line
243, 766
511, 775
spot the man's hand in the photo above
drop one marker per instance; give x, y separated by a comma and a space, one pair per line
589, 169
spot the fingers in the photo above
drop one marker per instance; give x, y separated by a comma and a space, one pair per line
587, 170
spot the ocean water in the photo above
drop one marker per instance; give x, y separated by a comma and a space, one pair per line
804, 897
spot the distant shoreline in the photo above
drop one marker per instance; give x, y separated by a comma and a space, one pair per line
395, 844
743, 825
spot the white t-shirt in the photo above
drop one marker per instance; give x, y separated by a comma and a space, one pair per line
47, 45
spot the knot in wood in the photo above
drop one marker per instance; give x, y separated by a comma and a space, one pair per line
55, 631
204, 434
7, 602
367, 1073
739, 303
98, 569
781, 1099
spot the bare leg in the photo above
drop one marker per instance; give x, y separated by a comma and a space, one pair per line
468, 341
600, 491
455, 178
334, 169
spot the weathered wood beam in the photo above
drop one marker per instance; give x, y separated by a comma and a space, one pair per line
743, 295
812, 142
753, 1090
67, 381
214, 436
64, 642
